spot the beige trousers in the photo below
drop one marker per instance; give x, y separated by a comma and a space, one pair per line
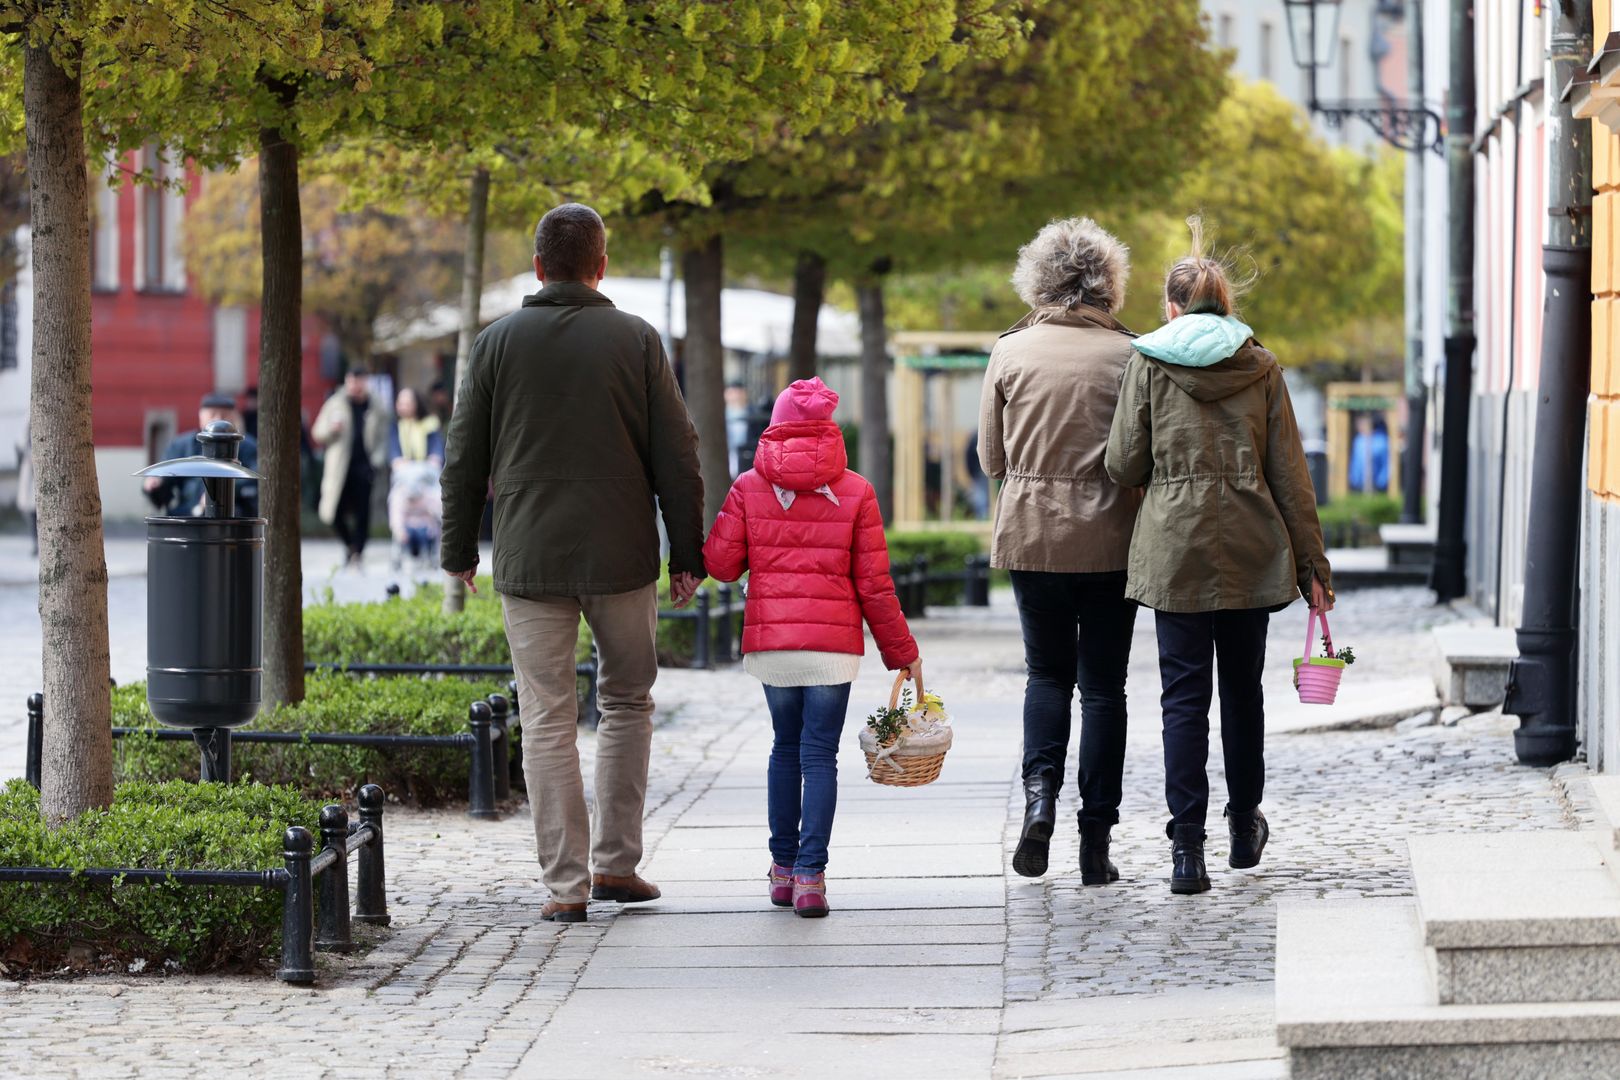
542, 634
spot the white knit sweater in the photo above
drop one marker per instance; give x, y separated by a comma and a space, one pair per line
802, 667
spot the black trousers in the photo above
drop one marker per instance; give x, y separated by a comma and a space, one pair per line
353, 520
1197, 652
1077, 632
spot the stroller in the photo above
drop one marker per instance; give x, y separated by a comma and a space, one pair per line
415, 514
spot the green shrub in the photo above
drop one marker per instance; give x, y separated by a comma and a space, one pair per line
947, 552
1357, 510
173, 826
403, 705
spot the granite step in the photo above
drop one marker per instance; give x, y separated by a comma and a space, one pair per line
1519, 917
1606, 801
1355, 1001
1472, 662
1409, 545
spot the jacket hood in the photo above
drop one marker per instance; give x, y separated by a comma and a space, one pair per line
806, 399
1209, 356
802, 455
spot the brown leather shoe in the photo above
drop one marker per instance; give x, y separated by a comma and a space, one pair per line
569, 913
624, 890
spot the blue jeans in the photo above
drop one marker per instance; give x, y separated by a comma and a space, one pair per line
801, 787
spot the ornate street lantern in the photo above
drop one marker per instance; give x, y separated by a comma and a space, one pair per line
1313, 34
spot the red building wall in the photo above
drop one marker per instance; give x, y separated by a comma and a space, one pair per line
154, 350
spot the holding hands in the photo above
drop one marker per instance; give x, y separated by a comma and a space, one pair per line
682, 587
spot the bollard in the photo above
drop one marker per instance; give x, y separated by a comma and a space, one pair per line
370, 895
297, 910
33, 768
978, 581
393, 590
723, 637
700, 649
215, 745
332, 933
500, 749
481, 773
919, 582
591, 714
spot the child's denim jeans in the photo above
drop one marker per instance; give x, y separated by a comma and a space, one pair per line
802, 784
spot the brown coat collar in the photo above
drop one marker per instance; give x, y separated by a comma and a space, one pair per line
1081, 317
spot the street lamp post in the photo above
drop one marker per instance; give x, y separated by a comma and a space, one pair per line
1313, 31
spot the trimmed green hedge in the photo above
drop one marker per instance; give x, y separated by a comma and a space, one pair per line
333, 703
173, 826
946, 551
1360, 510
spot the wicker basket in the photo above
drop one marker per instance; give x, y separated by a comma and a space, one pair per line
916, 761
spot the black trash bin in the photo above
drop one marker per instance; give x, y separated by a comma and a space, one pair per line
204, 603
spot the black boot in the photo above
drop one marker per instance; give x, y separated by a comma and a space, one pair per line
1040, 814
1249, 834
1095, 868
1187, 873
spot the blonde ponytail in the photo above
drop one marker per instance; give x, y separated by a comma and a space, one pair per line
1201, 283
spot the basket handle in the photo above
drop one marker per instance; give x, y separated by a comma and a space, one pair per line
900, 678
1310, 632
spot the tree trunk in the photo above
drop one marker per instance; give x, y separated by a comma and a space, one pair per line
809, 290
876, 460
472, 294
281, 363
703, 267
77, 767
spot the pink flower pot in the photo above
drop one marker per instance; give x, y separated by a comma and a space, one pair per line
1317, 677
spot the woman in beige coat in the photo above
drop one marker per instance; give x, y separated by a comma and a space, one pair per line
1063, 526
1227, 535
352, 427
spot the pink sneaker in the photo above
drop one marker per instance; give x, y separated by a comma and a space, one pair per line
810, 895
781, 885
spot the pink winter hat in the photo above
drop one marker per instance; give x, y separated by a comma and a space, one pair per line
807, 399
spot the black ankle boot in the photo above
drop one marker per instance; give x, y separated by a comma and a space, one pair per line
1187, 873
1249, 833
1095, 869
1040, 814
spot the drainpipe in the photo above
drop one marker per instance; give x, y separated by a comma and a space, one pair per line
1448, 577
1417, 397
1541, 683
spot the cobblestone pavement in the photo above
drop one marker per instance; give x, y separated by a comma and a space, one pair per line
937, 961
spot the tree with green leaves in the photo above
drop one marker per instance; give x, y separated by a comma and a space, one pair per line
61, 58
1091, 102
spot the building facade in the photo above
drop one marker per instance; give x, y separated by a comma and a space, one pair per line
158, 346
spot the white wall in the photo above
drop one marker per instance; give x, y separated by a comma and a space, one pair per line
14, 382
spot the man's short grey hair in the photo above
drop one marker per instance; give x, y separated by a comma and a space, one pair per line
570, 241
1072, 261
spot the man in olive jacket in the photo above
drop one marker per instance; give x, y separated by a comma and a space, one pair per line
571, 408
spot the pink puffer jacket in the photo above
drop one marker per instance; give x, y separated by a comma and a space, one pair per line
818, 564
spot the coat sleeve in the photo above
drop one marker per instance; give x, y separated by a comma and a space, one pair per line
992, 403
875, 587
324, 432
464, 482
1289, 479
676, 478
1129, 458
725, 554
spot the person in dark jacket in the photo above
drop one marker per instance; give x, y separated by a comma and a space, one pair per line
571, 408
1227, 535
183, 497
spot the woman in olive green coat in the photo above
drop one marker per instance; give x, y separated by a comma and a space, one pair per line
1227, 534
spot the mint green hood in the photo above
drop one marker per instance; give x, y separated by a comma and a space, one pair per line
1195, 341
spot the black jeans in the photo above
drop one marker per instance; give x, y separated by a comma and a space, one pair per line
1077, 631
352, 523
1195, 652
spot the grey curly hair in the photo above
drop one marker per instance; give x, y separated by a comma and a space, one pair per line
1072, 261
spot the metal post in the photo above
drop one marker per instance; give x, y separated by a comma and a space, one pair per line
481, 772
976, 591
723, 632
1541, 683
215, 746
34, 765
1417, 171
500, 749
297, 910
591, 714
370, 892
919, 582
700, 649
332, 933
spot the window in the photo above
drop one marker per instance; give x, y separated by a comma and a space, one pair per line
159, 266
8, 326
1266, 34
1226, 32
104, 237
1346, 80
